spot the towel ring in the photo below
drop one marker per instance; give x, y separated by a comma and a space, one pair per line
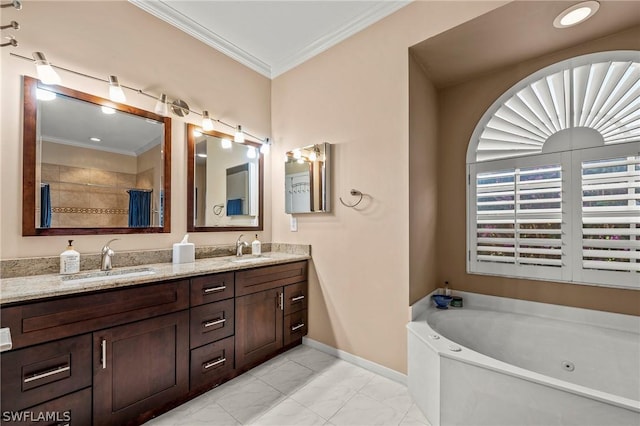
355, 193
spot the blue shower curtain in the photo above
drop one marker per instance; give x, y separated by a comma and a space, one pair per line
45, 206
139, 208
234, 207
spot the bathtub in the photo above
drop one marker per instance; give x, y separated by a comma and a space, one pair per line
499, 361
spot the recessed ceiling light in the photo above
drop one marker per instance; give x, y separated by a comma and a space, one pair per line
95, 139
576, 14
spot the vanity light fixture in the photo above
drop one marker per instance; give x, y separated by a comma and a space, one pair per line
225, 143
266, 146
46, 73
161, 105
115, 91
297, 154
107, 110
239, 136
252, 152
576, 14
207, 124
13, 25
15, 3
45, 95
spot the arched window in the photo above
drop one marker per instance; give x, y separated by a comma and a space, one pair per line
554, 175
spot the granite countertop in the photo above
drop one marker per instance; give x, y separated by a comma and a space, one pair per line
21, 289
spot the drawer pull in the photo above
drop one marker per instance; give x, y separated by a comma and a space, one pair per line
214, 289
214, 322
281, 301
214, 363
297, 327
104, 353
297, 299
49, 373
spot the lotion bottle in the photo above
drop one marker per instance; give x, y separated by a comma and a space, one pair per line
69, 260
256, 247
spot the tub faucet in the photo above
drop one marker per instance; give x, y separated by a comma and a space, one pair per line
239, 245
105, 262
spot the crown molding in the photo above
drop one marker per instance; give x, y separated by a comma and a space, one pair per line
382, 10
164, 11
161, 10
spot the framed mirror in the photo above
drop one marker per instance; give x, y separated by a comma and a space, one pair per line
224, 183
92, 166
307, 179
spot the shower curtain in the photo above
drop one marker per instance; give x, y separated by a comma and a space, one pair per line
139, 208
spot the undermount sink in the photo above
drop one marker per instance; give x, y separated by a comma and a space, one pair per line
106, 275
247, 259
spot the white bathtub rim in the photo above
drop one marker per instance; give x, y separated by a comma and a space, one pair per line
421, 330
602, 319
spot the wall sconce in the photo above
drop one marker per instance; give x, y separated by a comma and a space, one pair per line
239, 136
115, 91
266, 146
12, 25
15, 3
161, 105
207, 124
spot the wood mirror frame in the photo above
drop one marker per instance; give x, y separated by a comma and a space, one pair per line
191, 156
29, 158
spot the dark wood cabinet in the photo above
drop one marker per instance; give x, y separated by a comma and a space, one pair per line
259, 326
140, 366
120, 356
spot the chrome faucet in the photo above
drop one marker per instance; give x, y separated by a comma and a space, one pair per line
239, 245
105, 262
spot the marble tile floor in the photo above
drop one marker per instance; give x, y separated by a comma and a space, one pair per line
301, 387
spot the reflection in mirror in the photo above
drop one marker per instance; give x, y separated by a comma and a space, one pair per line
307, 179
92, 166
224, 183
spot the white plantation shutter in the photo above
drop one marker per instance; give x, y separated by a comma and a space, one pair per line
518, 221
610, 208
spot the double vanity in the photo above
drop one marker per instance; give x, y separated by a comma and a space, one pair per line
119, 348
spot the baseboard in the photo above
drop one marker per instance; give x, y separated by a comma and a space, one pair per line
356, 360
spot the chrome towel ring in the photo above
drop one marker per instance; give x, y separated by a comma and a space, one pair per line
354, 193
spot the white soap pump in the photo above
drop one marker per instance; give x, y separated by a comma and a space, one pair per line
69, 260
256, 247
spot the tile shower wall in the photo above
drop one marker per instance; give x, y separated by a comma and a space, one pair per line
91, 197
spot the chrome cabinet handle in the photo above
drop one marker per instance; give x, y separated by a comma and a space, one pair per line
103, 345
214, 322
214, 363
214, 289
281, 303
297, 327
48, 373
297, 299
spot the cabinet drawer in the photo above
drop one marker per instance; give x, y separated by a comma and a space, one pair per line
72, 410
295, 326
212, 363
211, 322
33, 375
48, 320
211, 288
295, 298
268, 277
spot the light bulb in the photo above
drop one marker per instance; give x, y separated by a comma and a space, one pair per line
251, 152
312, 156
115, 91
45, 71
266, 146
207, 124
239, 136
297, 154
45, 95
225, 143
161, 105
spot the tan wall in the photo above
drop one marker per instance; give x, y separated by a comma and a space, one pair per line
355, 96
115, 37
458, 118
75, 156
423, 183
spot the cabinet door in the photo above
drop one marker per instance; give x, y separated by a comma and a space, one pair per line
139, 367
258, 326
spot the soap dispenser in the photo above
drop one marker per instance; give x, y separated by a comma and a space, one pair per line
69, 260
256, 247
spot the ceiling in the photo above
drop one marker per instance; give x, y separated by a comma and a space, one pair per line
271, 37
513, 33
